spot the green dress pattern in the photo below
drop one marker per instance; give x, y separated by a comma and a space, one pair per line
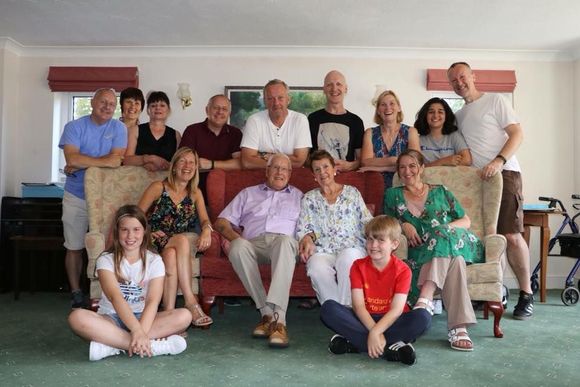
439, 239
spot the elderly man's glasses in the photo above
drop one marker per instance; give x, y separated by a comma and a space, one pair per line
279, 168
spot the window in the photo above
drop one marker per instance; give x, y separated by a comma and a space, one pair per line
455, 102
68, 107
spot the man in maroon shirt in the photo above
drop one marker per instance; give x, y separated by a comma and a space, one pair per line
216, 142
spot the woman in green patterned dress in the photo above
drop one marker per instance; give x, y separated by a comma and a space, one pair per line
440, 244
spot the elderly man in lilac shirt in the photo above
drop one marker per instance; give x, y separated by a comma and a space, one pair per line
267, 213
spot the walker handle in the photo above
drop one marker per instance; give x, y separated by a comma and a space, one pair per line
547, 199
553, 202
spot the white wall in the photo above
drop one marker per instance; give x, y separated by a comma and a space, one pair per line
544, 99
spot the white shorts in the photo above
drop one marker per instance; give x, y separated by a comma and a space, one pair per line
75, 221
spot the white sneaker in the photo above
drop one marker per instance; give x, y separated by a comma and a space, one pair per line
98, 351
171, 345
437, 306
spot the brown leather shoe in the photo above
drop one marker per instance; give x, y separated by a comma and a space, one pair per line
262, 330
279, 336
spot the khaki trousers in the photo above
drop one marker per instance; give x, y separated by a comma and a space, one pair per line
277, 249
450, 277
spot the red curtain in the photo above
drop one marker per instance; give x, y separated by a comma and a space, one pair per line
485, 80
92, 78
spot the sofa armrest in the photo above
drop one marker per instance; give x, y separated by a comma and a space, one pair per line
495, 247
95, 245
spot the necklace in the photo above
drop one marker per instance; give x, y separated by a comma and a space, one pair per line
420, 193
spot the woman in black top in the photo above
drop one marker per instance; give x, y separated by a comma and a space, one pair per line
153, 144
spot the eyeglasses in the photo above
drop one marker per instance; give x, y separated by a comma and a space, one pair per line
279, 168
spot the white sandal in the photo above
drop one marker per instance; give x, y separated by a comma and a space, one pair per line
427, 305
454, 338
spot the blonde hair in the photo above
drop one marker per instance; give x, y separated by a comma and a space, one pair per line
129, 211
383, 226
193, 183
276, 82
400, 114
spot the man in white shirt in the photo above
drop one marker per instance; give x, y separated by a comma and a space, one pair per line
275, 130
493, 133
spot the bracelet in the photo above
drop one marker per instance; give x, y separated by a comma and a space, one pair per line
500, 156
212, 166
208, 225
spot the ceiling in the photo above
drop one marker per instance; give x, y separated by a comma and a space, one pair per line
510, 25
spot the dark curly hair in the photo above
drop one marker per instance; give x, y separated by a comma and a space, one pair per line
421, 124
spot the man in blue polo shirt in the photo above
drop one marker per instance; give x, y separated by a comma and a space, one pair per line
96, 140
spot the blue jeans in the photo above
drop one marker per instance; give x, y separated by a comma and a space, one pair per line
117, 320
342, 320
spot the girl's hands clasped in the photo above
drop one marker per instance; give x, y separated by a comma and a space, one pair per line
140, 344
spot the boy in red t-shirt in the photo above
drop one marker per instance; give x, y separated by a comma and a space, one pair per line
379, 322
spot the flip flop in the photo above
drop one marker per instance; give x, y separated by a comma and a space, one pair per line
203, 319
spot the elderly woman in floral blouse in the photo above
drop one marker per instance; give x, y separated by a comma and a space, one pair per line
331, 231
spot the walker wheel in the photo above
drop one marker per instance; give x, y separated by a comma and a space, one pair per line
570, 296
535, 285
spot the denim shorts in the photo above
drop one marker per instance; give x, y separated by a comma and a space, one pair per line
117, 320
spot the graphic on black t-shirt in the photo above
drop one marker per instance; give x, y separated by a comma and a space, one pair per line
334, 138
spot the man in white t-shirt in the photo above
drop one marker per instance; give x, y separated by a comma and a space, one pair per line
275, 130
493, 133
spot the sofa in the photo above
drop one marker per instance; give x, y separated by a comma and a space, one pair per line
481, 201
107, 189
218, 278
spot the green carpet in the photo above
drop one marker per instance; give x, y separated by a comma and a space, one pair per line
38, 349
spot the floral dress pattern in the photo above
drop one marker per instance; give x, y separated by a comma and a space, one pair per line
439, 240
337, 226
170, 218
380, 148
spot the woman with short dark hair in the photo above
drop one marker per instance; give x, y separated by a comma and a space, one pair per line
153, 143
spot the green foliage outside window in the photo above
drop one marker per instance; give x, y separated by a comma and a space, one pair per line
82, 107
247, 102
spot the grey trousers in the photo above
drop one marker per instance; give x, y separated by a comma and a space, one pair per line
277, 249
449, 276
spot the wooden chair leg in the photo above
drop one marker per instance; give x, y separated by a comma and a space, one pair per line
497, 309
206, 304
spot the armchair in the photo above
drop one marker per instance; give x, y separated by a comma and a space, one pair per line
107, 189
481, 201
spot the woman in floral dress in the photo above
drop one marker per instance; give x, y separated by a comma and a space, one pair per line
331, 231
440, 244
174, 206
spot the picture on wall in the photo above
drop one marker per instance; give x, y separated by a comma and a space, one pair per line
247, 100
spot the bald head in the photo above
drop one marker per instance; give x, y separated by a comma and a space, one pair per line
103, 103
335, 89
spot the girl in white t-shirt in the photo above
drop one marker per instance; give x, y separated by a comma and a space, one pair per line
131, 278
